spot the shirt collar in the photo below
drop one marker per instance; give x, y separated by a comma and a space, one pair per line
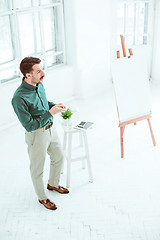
28, 86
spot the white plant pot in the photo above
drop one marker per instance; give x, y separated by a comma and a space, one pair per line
67, 123
70, 122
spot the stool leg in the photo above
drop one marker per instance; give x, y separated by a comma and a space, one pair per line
87, 156
81, 145
80, 139
64, 141
64, 149
69, 159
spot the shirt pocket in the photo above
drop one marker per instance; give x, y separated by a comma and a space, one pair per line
29, 138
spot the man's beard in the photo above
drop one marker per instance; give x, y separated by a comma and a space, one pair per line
35, 81
42, 77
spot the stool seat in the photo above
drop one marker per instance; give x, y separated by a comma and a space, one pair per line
67, 147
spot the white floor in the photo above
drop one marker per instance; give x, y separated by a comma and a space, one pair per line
123, 202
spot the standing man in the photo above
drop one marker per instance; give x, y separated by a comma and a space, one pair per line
36, 113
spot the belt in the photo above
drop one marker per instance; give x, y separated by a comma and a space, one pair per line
43, 128
50, 125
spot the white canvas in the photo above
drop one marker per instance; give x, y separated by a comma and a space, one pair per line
132, 88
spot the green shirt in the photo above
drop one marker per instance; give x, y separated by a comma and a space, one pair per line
31, 106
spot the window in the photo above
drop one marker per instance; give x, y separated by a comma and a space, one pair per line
30, 28
133, 21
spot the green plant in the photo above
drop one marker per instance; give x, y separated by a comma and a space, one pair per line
67, 114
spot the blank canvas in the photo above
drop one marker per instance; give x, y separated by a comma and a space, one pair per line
132, 88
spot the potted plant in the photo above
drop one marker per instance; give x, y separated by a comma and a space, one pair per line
66, 116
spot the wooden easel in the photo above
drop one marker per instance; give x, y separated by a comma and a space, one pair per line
122, 125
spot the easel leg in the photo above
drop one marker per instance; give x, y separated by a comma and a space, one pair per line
153, 139
121, 139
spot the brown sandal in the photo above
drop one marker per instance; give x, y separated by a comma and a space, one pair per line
48, 204
59, 189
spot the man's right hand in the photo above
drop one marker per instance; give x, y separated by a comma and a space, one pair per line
57, 109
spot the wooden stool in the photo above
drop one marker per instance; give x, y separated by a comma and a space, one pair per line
68, 136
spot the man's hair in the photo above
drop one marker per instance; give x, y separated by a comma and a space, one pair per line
27, 64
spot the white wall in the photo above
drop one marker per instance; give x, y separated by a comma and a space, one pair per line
88, 44
156, 46
59, 84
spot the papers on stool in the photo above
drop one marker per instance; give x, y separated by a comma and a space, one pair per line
84, 125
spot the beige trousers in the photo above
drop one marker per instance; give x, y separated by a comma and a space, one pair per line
39, 143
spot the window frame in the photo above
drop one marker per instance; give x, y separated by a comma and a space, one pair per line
13, 14
146, 34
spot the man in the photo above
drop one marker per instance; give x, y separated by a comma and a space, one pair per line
36, 115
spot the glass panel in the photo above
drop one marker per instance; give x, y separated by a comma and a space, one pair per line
130, 18
140, 40
146, 13
49, 29
58, 28
140, 22
22, 4
37, 34
30, 35
59, 58
49, 1
56, 1
5, 40
120, 22
118, 40
136, 40
145, 40
35, 2
130, 40
45, 2
3, 5
10, 72
52, 60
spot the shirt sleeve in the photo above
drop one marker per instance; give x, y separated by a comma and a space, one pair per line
28, 122
51, 104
